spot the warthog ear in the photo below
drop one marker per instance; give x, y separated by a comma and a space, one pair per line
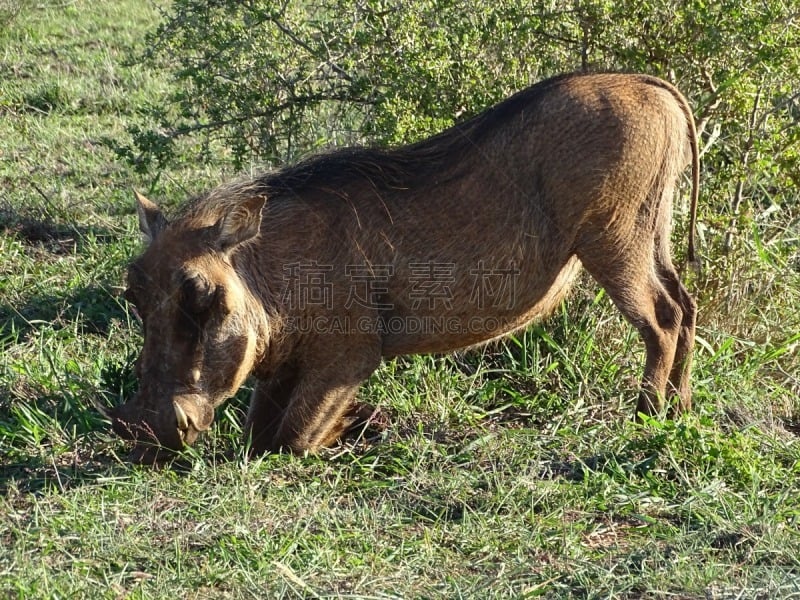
151, 219
240, 224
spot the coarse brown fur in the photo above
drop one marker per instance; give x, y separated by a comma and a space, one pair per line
306, 278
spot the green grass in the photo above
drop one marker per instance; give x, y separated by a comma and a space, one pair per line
511, 471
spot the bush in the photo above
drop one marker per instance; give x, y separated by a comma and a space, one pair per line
268, 82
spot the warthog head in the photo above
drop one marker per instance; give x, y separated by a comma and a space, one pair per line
201, 325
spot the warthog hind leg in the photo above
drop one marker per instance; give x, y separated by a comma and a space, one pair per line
679, 378
631, 281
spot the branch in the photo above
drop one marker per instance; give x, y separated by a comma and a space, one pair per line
310, 49
267, 114
708, 110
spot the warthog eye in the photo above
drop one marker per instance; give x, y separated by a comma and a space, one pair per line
197, 294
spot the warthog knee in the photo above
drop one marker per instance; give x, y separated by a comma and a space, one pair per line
668, 313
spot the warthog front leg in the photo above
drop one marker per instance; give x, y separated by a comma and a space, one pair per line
269, 402
267, 405
313, 404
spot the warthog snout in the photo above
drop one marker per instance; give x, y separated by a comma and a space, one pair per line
157, 433
193, 414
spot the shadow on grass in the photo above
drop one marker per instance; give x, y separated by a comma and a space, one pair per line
55, 238
93, 308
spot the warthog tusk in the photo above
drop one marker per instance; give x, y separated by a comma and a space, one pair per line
183, 420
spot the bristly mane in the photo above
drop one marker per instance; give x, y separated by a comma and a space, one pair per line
431, 161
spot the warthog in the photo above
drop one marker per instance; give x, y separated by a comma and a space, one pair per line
306, 278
